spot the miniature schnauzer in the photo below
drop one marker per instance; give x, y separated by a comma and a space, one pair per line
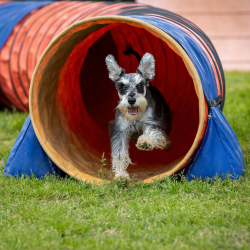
142, 113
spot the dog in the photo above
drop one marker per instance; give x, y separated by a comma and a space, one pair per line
142, 113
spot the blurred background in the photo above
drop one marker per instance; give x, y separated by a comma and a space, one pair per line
225, 22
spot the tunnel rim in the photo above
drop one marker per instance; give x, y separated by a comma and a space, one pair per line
51, 151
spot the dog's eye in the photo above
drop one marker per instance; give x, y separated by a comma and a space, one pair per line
122, 86
139, 86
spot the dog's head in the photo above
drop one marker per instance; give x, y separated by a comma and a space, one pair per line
132, 88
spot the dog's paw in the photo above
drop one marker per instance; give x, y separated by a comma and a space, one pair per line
144, 144
122, 175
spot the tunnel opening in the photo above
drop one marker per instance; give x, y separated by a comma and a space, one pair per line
78, 104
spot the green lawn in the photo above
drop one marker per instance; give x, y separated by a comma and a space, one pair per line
66, 214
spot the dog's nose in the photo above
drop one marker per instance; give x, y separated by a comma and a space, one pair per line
131, 100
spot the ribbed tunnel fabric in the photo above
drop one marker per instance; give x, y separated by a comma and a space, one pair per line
73, 100
34, 25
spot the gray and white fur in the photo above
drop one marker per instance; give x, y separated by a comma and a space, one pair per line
142, 114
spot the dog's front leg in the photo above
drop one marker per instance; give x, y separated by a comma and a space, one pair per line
120, 154
153, 138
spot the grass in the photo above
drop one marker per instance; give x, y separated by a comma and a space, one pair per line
66, 214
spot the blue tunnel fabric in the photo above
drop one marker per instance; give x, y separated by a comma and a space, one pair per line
194, 51
28, 157
219, 154
12, 13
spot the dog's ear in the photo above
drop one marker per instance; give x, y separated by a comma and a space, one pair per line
147, 66
115, 71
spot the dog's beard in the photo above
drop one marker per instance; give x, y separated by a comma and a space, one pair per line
141, 105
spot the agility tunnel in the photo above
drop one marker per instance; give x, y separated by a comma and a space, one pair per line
72, 100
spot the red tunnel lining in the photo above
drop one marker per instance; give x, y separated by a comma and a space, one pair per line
88, 97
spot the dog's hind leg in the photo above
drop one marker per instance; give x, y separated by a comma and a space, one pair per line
153, 138
120, 154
